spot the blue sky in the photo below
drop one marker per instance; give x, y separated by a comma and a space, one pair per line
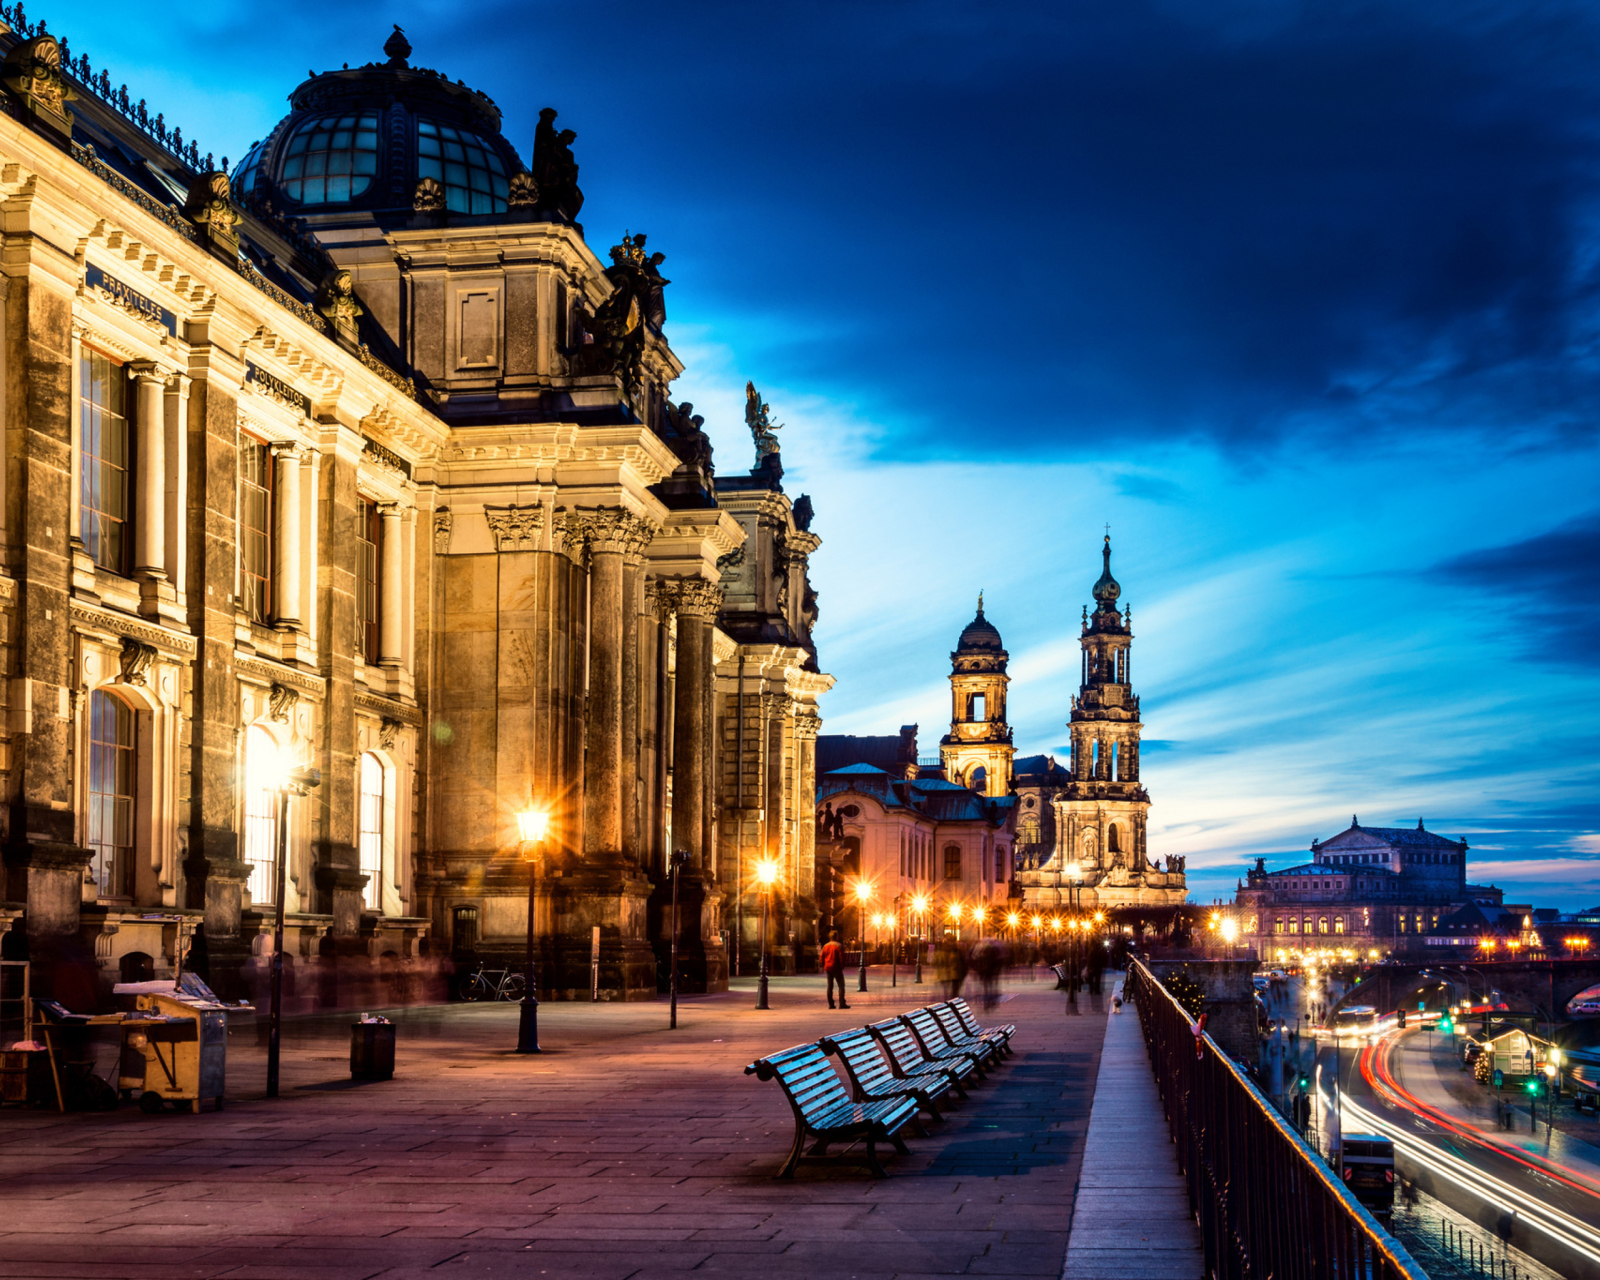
1301, 299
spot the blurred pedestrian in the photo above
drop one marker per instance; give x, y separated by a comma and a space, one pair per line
833, 968
987, 962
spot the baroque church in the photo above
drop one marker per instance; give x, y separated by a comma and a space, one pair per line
1077, 831
358, 457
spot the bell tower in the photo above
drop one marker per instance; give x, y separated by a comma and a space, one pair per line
977, 751
1101, 814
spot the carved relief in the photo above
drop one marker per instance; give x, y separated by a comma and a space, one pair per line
428, 197
281, 702
524, 191
135, 661
388, 732
442, 522
514, 528
698, 599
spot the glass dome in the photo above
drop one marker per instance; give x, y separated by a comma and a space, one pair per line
359, 140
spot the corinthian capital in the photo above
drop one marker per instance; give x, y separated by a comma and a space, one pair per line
515, 528
698, 599
569, 534
616, 529
807, 725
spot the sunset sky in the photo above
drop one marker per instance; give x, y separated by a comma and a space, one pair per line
1300, 299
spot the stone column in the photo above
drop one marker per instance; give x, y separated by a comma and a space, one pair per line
659, 600
614, 534
632, 560
150, 473
391, 613
286, 550
697, 603
570, 537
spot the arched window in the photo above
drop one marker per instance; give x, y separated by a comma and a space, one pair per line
332, 159
370, 832
1338, 924
260, 813
1028, 831
113, 776
952, 862
1322, 924
1113, 840
978, 779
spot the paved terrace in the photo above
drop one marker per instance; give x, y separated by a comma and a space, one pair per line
625, 1151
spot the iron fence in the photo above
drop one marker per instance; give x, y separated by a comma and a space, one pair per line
1266, 1203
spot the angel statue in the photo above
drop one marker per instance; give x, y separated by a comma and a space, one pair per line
757, 416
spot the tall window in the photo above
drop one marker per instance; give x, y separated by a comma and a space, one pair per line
105, 496
112, 777
368, 598
370, 835
260, 814
977, 707
952, 862
1028, 831
1113, 840
255, 528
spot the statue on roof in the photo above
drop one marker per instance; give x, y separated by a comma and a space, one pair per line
689, 440
758, 417
554, 169
803, 513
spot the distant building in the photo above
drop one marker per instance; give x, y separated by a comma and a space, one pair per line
1384, 889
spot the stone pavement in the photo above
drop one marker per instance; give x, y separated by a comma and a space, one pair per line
626, 1151
1131, 1220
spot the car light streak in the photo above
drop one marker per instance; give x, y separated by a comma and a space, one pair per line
1552, 1222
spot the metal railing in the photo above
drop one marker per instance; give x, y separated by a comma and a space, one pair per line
1266, 1203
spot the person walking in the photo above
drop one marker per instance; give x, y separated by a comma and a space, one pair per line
833, 968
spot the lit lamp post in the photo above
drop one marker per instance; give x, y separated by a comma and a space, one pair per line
955, 915
978, 915
863, 896
1038, 924
532, 826
919, 908
286, 782
766, 876
1229, 929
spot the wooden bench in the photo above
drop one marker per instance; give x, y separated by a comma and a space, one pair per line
1000, 1035
1060, 970
906, 1057
950, 1024
872, 1078
823, 1107
937, 1043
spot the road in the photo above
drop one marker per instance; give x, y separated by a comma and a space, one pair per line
1545, 1205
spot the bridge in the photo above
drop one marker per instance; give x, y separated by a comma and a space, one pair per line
1533, 986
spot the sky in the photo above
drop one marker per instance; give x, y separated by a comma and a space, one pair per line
1300, 299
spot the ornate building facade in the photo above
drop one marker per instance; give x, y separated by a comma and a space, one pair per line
361, 459
1077, 833
1082, 828
1383, 890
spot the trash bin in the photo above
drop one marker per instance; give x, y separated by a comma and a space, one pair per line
372, 1049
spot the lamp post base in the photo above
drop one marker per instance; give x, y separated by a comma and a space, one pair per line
528, 1026
761, 988
861, 979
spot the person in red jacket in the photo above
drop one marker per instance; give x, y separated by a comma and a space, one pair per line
833, 968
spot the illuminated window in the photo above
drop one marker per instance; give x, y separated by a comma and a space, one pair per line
952, 862
260, 814
1366, 917
1403, 922
473, 174
1294, 924
1278, 925
332, 159
370, 838
105, 445
1028, 831
1338, 924
1322, 925
255, 528
112, 778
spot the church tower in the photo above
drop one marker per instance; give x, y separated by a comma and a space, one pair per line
1101, 813
977, 751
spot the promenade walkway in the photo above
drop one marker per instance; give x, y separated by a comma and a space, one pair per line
1131, 1220
627, 1152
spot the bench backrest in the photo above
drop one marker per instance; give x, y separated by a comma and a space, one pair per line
862, 1061
963, 1012
928, 1030
949, 1023
902, 1046
806, 1077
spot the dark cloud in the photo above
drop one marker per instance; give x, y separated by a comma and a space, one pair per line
1548, 588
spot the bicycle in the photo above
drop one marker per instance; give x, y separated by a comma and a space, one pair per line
493, 984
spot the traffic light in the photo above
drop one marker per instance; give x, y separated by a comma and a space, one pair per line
1305, 1083
1400, 1018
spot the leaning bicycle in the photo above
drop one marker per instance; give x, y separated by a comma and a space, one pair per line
493, 984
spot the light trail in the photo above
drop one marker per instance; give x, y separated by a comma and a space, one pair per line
1566, 1230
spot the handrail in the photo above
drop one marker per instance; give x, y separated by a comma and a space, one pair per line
1267, 1205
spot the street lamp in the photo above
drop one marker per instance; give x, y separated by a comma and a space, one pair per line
277, 776
1038, 924
766, 875
955, 914
863, 896
532, 826
919, 907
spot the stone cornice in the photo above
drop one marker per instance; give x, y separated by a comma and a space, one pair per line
374, 705
267, 672
175, 644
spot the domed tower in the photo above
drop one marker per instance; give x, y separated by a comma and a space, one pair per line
1101, 814
977, 751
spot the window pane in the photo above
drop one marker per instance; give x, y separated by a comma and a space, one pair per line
112, 778
368, 537
255, 528
371, 830
339, 145
260, 817
103, 463
472, 171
